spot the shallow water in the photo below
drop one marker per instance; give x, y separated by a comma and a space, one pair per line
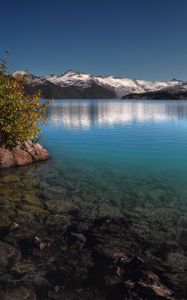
114, 158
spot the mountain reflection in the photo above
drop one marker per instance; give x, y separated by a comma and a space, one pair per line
82, 114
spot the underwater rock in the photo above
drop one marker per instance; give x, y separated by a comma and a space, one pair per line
79, 236
4, 226
183, 239
19, 293
147, 287
65, 257
8, 255
22, 154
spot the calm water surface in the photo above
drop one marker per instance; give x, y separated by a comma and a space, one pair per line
123, 147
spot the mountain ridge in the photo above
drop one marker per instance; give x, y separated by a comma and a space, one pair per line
79, 85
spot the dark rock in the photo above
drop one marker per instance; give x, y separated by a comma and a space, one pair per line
135, 263
18, 293
26, 245
5, 225
8, 255
79, 236
41, 243
183, 239
41, 286
65, 257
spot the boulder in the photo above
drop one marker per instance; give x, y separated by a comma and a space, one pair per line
37, 151
8, 255
19, 293
79, 237
21, 157
40, 152
22, 154
6, 158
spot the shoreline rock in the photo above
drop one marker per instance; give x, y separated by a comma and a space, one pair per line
22, 154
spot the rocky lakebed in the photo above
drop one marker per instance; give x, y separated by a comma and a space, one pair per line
52, 247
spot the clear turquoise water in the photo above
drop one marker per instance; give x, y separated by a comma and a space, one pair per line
124, 157
113, 157
119, 135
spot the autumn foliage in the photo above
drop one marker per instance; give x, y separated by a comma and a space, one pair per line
20, 114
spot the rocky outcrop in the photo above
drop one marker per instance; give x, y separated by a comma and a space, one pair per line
22, 154
6, 158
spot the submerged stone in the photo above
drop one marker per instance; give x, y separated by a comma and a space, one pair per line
18, 293
8, 255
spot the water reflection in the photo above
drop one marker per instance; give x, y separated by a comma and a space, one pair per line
85, 114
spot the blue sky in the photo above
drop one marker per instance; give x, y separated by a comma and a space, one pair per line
144, 39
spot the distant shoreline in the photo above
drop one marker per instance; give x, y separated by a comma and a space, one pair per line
159, 95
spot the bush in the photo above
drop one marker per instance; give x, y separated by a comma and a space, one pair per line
20, 114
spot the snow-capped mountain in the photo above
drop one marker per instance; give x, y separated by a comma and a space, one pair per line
178, 91
121, 86
79, 85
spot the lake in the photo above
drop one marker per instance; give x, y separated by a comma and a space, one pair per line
129, 155
117, 158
